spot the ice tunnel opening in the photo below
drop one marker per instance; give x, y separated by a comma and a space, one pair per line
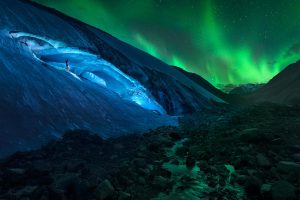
85, 65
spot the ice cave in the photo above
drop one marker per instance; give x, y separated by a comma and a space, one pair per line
86, 66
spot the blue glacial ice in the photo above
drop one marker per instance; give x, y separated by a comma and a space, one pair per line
87, 66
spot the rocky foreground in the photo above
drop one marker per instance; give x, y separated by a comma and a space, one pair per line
248, 153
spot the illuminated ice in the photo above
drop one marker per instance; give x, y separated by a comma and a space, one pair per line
85, 65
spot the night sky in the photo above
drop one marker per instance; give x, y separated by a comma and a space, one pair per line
232, 41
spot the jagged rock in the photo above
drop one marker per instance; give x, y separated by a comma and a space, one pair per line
283, 190
262, 160
288, 167
104, 190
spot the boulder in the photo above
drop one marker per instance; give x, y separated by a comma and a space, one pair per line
104, 190
265, 189
67, 181
283, 190
295, 148
241, 179
124, 196
262, 160
141, 180
249, 131
288, 167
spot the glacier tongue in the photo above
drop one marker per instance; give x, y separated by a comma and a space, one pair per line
88, 66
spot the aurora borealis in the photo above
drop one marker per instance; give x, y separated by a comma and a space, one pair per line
233, 41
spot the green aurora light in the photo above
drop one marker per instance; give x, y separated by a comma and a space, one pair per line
226, 42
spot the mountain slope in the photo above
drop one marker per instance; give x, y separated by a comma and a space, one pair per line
229, 98
111, 88
145, 67
284, 88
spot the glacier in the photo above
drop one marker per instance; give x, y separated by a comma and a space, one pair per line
40, 100
88, 66
112, 88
